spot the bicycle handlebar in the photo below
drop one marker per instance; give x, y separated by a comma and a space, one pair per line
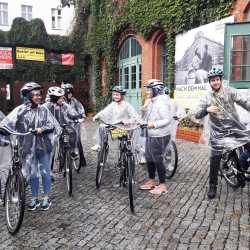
116, 125
9, 131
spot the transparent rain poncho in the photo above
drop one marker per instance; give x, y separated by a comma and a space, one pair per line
115, 113
65, 115
78, 108
22, 119
224, 131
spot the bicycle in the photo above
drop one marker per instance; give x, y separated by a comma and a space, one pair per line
126, 161
14, 192
65, 156
171, 159
231, 170
78, 163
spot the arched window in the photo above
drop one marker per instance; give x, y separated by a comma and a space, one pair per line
130, 70
164, 62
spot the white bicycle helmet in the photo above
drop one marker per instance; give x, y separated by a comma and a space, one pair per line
56, 91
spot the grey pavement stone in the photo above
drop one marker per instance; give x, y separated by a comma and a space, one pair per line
90, 219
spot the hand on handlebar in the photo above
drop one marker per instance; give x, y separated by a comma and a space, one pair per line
151, 124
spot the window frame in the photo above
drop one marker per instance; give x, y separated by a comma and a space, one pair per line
27, 13
231, 30
2, 12
57, 19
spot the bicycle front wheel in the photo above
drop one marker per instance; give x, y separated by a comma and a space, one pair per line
171, 160
229, 171
68, 169
102, 158
130, 173
14, 200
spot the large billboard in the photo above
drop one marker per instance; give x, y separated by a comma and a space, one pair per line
196, 52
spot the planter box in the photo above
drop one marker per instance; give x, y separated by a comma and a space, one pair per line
188, 134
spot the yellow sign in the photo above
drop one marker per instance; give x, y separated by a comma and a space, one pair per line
118, 132
31, 54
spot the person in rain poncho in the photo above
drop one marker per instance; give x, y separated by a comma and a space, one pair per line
117, 111
63, 112
225, 130
158, 117
36, 147
78, 108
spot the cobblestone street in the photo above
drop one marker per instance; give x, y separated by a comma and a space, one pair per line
181, 219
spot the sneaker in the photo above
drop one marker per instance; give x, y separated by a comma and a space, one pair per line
142, 160
74, 156
35, 203
96, 147
212, 191
46, 204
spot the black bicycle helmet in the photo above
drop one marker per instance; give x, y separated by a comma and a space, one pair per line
67, 87
214, 72
28, 88
119, 89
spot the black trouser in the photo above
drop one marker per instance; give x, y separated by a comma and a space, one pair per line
155, 152
215, 159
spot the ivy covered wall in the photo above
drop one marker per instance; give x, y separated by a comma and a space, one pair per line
100, 23
33, 34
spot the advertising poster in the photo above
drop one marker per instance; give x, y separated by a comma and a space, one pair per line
6, 60
196, 52
68, 59
30, 54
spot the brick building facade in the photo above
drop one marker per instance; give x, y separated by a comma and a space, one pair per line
152, 60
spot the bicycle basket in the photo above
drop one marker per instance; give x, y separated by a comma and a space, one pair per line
118, 133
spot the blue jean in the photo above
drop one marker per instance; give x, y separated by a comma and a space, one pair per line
43, 160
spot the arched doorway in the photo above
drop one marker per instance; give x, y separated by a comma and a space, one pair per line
130, 70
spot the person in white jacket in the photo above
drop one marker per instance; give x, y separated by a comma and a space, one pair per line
157, 115
117, 111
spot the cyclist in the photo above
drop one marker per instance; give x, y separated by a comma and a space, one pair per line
36, 148
226, 131
158, 118
63, 113
79, 109
117, 111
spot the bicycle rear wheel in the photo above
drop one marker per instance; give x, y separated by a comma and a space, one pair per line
68, 169
102, 158
229, 171
14, 200
171, 160
130, 173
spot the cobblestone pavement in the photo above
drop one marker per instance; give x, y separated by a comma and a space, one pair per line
181, 219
